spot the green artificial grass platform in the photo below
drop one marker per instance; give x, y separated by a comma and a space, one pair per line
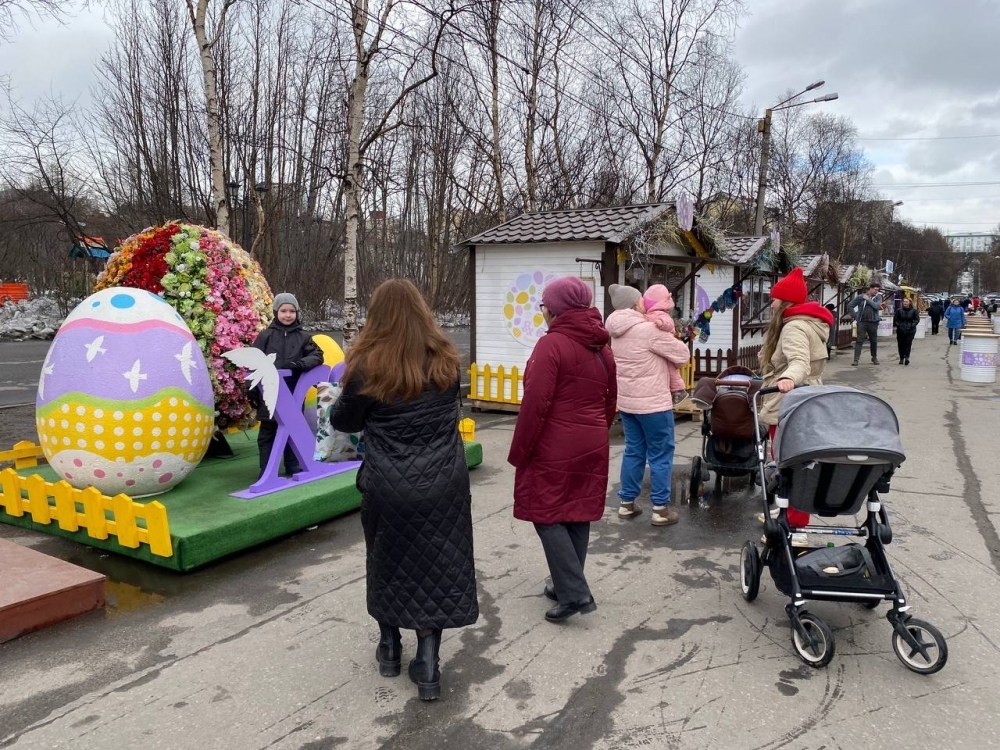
207, 524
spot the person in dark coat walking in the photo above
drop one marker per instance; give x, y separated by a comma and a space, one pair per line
560, 445
906, 320
401, 387
867, 308
935, 312
294, 350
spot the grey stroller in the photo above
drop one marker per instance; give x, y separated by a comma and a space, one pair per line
835, 450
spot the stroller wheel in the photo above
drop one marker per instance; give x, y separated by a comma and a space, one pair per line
696, 478
929, 651
872, 604
750, 570
816, 648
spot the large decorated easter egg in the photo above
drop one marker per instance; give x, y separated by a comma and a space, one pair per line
125, 402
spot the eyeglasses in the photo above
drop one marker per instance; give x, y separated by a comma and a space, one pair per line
542, 306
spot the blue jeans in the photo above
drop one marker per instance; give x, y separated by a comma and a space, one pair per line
648, 437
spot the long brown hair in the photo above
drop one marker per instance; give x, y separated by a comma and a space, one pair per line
772, 334
401, 348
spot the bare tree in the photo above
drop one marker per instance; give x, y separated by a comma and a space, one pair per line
11, 11
372, 40
198, 10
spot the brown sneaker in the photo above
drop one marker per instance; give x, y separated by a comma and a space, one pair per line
629, 510
664, 516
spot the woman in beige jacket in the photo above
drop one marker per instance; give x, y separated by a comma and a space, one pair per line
794, 350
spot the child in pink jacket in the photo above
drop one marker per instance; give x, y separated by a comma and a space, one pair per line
658, 302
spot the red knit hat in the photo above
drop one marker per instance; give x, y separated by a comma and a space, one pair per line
792, 288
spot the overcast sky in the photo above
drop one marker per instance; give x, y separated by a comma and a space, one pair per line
903, 69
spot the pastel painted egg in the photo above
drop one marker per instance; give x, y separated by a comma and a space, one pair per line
125, 401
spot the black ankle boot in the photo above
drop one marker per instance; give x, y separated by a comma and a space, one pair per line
389, 653
424, 667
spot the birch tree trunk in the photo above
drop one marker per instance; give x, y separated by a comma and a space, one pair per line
493, 41
199, 17
353, 174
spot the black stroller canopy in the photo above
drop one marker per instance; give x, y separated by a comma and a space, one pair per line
832, 423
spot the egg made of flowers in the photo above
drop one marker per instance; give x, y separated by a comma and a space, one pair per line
125, 401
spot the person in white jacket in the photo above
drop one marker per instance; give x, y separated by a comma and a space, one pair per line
645, 405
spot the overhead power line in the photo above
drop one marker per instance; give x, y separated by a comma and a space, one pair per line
933, 137
909, 185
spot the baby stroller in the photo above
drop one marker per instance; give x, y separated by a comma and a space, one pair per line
835, 450
728, 445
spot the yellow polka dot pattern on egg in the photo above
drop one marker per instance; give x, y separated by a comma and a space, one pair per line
136, 424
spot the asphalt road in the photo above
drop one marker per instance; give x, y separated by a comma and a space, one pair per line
273, 648
20, 366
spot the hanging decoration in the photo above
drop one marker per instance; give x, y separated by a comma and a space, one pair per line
685, 212
725, 301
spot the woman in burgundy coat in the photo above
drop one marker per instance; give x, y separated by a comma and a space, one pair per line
560, 443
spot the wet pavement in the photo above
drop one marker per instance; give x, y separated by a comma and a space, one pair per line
273, 648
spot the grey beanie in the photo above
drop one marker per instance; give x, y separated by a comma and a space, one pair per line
285, 298
623, 297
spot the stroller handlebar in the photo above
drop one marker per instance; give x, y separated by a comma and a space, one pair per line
775, 389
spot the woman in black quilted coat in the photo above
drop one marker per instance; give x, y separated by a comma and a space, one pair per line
401, 386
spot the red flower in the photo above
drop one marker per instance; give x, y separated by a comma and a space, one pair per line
148, 265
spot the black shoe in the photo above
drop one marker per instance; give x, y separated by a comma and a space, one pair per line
874, 361
550, 592
854, 363
906, 362
423, 669
389, 653
563, 611
900, 360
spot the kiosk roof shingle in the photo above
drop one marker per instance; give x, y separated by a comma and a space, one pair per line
613, 224
742, 250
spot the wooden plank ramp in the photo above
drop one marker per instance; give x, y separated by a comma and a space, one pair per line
37, 590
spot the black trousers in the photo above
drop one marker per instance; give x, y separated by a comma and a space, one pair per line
905, 342
869, 329
935, 322
265, 442
565, 547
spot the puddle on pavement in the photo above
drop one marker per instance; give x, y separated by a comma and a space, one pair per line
130, 585
120, 598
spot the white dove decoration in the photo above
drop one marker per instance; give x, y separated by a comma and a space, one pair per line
262, 372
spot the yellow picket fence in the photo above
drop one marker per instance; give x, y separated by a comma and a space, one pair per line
500, 385
87, 509
25, 455
467, 429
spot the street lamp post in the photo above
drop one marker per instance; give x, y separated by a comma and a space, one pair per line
764, 128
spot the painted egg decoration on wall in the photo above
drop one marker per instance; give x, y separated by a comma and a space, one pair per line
125, 401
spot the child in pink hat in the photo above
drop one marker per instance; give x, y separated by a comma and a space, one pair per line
657, 303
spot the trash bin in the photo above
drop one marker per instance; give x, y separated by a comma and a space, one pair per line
979, 357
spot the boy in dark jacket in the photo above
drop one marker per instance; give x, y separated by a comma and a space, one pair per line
294, 350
